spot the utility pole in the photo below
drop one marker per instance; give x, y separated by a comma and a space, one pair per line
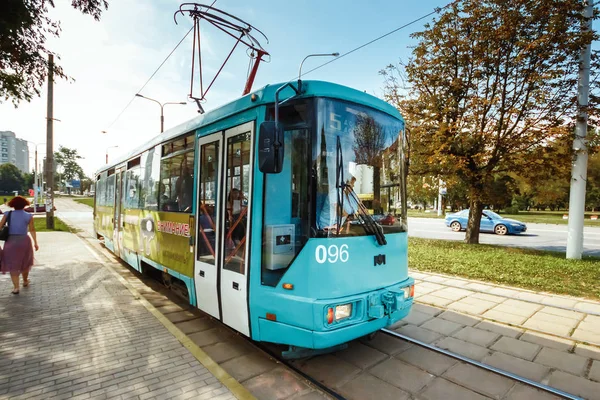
50, 147
580, 156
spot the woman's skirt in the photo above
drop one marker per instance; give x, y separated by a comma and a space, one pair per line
17, 255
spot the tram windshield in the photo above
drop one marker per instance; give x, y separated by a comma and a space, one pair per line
357, 154
333, 150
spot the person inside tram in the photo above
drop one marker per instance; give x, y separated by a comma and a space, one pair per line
235, 208
328, 217
185, 188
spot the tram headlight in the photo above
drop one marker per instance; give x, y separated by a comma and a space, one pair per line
343, 311
409, 291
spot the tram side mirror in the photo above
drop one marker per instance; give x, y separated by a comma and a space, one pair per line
270, 150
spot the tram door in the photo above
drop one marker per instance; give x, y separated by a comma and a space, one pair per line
236, 203
118, 217
207, 249
223, 215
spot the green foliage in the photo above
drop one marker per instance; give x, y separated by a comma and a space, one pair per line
529, 269
24, 26
88, 201
593, 182
422, 190
490, 84
59, 225
11, 178
67, 159
28, 181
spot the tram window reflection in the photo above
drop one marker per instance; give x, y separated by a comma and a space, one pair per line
286, 221
207, 211
237, 189
177, 183
150, 184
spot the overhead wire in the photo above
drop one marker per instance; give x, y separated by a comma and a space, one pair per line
435, 11
152, 76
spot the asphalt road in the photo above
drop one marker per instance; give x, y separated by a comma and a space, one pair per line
538, 236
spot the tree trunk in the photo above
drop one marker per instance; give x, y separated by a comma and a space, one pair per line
376, 189
475, 210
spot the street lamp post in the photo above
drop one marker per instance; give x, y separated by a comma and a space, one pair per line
35, 178
308, 56
162, 105
109, 147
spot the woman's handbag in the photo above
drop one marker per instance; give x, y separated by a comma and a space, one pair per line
4, 230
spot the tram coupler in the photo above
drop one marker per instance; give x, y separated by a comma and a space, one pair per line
295, 353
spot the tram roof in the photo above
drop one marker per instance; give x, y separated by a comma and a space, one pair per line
264, 95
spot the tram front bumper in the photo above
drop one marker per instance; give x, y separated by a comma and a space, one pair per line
371, 312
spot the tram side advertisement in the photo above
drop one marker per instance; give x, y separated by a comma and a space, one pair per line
162, 237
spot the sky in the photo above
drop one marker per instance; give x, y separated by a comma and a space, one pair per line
109, 61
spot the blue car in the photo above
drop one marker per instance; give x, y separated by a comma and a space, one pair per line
490, 222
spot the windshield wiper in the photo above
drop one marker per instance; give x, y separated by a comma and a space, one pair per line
368, 223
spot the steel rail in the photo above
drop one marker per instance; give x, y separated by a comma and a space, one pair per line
287, 363
498, 371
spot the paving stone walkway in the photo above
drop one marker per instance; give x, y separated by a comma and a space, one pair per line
78, 333
547, 338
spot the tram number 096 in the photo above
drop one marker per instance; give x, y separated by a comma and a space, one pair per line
332, 253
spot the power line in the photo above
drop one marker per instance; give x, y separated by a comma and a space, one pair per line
437, 10
151, 76
154, 73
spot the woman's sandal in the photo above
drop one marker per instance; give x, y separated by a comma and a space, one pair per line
15, 292
26, 283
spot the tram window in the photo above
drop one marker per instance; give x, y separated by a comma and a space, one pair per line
177, 183
207, 202
185, 143
237, 187
109, 198
150, 179
132, 188
287, 229
101, 190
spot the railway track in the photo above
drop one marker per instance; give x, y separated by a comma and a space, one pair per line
478, 364
274, 352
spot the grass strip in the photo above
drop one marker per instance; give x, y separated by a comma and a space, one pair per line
89, 201
529, 269
59, 225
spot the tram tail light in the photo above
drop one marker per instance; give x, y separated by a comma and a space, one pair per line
330, 315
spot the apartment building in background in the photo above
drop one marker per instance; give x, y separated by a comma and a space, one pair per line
14, 150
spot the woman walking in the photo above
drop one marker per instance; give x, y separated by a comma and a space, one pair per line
17, 256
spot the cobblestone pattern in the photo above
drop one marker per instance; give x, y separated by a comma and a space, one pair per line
389, 368
78, 333
538, 336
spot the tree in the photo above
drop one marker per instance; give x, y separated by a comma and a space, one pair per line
67, 159
86, 184
28, 179
11, 179
593, 183
24, 26
491, 80
422, 190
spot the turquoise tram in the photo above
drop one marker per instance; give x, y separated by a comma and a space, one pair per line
253, 212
